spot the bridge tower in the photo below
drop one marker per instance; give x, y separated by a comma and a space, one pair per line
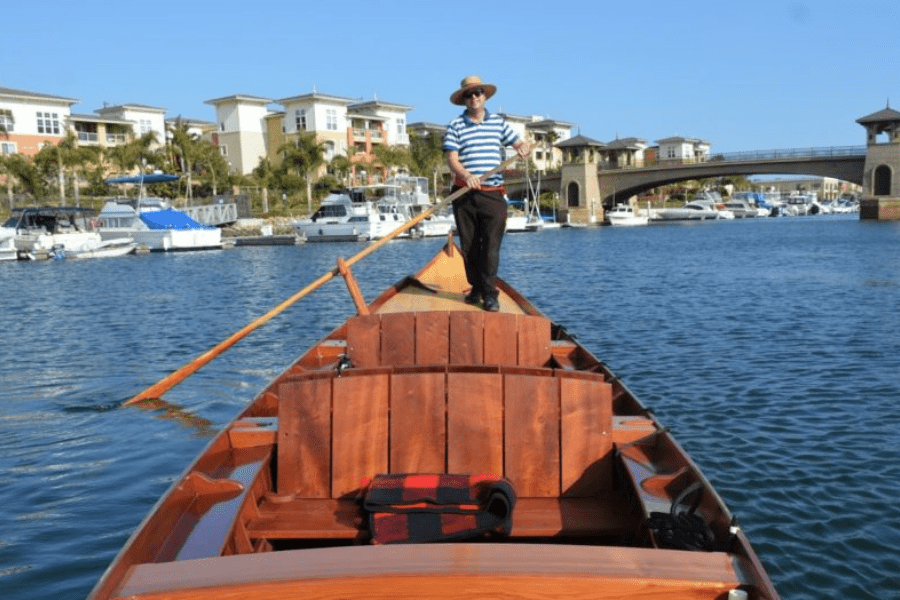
881, 173
579, 186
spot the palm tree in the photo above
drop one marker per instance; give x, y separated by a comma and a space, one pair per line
305, 155
187, 154
392, 158
62, 159
427, 155
264, 174
341, 166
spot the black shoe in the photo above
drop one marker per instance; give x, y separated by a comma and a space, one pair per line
491, 304
472, 297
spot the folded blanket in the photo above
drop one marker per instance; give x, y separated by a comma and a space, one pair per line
414, 508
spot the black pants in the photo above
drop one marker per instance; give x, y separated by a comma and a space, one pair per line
481, 222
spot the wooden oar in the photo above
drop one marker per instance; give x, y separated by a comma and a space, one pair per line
167, 383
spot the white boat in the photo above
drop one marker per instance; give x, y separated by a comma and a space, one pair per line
743, 205
624, 215
438, 224
153, 223
409, 195
516, 222
358, 214
704, 207
8, 243
60, 232
105, 249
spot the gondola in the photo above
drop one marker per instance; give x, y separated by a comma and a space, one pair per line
427, 448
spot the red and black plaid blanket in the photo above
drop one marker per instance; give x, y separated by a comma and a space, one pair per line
431, 508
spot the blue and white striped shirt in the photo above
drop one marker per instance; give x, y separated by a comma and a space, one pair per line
480, 145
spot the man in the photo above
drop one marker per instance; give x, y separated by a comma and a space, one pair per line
474, 143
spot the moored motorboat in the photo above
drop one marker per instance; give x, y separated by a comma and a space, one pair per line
152, 222
60, 232
357, 214
423, 417
8, 244
624, 215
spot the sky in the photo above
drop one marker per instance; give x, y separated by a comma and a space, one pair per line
744, 76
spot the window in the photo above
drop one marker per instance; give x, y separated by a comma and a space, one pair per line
7, 148
48, 123
300, 119
223, 150
222, 126
401, 126
6, 120
331, 119
145, 126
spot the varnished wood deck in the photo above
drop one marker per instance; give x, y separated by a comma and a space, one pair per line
445, 571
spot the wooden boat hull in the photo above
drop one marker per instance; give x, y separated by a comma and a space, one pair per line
420, 382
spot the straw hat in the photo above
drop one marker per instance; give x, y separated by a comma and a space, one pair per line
470, 83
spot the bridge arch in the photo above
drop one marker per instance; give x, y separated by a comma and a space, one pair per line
882, 181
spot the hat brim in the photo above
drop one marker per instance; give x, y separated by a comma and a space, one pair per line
457, 96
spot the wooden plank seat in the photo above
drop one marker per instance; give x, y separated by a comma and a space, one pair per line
548, 431
448, 337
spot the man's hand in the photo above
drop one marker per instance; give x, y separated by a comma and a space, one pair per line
523, 149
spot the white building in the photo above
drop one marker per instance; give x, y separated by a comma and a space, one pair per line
241, 130
32, 120
143, 119
682, 149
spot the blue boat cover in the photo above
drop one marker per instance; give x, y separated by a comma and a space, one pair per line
144, 178
170, 219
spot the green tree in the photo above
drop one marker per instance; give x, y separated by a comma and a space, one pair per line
264, 174
341, 167
21, 169
305, 156
427, 155
392, 158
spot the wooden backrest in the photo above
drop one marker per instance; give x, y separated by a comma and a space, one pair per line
548, 431
448, 337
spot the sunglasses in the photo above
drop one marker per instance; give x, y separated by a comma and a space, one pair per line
473, 93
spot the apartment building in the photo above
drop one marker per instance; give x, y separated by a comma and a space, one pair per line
346, 127
30, 120
682, 149
240, 130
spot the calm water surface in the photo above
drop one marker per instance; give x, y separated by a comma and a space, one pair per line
771, 347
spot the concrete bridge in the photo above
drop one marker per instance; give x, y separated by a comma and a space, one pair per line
616, 185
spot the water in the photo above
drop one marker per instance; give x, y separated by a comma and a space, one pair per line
771, 347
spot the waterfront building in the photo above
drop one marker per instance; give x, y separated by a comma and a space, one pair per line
344, 126
31, 120
624, 153
543, 134
240, 131
679, 149
142, 119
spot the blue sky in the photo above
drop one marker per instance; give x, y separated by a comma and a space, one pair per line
744, 75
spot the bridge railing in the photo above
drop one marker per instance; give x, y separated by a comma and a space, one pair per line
747, 156
752, 155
